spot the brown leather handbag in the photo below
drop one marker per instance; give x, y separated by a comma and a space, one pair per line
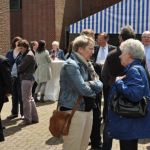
60, 121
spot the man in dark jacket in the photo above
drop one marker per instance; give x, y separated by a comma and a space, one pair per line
111, 69
100, 54
5, 86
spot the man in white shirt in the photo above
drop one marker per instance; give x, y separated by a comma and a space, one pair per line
146, 43
101, 51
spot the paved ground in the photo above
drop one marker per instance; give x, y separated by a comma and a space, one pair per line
37, 136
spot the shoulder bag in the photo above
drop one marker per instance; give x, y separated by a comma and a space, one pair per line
126, 108
60, 121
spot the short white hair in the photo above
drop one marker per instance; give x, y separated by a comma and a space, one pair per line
133, 47
55, 43
145, 33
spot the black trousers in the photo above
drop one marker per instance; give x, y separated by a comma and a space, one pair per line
34, 87
1, 127
106, 90
95, 134
17, 97
1, 106
129, 144
124, 144
107, 141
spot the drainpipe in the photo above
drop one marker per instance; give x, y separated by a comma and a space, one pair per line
81, 9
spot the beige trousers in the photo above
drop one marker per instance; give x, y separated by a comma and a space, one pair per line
79, 132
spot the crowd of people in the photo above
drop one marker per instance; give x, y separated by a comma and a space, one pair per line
27, 73
122, 70
92, 69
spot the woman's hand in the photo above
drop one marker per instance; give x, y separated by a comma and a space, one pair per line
120, 77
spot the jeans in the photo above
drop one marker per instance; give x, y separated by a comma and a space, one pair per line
29, 107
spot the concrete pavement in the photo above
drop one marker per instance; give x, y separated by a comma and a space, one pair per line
37, 136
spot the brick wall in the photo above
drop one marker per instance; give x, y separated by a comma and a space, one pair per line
59, 13
38, 20
16, 26
49, 19
4, 26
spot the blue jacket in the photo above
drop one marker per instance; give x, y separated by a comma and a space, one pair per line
134, 86
59, 54
10, 57
73, 83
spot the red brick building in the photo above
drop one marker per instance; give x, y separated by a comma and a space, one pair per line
4, 26
47, 19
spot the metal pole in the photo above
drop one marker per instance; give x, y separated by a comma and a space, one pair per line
81, 8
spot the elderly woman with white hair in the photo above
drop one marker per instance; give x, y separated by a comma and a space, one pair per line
133, 85
56, 52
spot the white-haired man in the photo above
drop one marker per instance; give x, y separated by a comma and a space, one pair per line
56, 51
146, 43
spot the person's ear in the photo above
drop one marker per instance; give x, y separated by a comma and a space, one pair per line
80, 49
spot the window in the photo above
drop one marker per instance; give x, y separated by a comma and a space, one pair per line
15, 4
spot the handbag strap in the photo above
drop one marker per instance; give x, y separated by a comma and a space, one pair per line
75, 106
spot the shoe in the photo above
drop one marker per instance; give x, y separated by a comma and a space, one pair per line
2, 139
42, 101
12, 117
34, 122
96, 148
1, 136
42, 98
22, 117
24, 123
35, 98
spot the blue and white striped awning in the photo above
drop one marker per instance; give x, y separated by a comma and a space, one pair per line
110, 20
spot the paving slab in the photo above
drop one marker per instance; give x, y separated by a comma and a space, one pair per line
37, 136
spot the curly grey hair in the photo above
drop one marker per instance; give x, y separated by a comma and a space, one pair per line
133, 47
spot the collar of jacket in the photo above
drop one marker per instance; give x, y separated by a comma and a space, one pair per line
135, 62
81, 59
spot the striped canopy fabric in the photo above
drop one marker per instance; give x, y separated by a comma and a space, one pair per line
110, 20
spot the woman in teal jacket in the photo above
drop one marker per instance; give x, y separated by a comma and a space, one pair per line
134, 85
